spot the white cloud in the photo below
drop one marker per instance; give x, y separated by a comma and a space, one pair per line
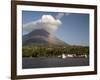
47, 22
60, 15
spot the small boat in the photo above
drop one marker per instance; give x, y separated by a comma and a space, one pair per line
63, 56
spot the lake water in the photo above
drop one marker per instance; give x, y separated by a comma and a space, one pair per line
53, 62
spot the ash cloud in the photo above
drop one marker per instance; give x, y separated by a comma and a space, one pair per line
46, 22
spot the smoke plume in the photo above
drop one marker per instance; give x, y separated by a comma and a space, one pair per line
47, 22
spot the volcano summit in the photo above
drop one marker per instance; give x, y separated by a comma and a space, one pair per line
41, 36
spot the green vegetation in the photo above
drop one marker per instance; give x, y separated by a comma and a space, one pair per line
49, 51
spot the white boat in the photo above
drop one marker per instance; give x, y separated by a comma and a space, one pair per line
69, 55
63, 56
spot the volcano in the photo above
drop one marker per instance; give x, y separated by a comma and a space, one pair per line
41, 36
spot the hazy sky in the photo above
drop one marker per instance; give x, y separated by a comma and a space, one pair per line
73, 27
